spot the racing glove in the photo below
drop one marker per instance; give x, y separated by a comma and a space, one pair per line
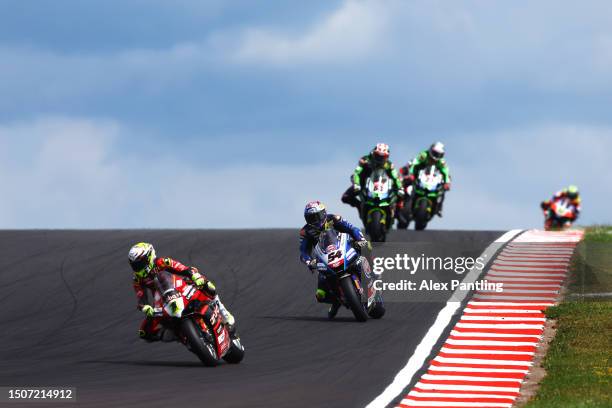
148, 310
312, 265
364, 243
202, 283
446, 186
197, 278
210, 288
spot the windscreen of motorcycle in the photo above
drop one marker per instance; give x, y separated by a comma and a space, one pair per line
378, 185
430, 178
333, 251
563, 208
173, 303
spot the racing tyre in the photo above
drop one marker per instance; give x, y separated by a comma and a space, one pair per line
204, 350
353, 299
377, 311
421, 216
376, 227
236, 352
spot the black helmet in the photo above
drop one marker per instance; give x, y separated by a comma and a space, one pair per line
315, 214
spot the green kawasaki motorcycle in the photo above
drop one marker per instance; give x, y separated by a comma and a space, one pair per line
426, 196
378, 199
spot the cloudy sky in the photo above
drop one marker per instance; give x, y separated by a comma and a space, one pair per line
213, 114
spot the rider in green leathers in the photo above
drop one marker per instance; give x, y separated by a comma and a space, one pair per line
432, 156
378, 158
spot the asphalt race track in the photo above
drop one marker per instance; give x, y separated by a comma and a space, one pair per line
69, 319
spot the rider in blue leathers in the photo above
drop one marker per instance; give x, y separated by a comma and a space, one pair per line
318, 220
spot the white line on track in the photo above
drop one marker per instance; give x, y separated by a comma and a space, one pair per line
487, 334
490, 343
470, 310
479, 387
450, 395
517, 370
417, 360
477, 350
467, 317
466, 378
411, 403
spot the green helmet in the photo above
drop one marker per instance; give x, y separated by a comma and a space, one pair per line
142, 259
572, 192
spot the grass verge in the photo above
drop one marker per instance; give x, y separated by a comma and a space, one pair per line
578, 363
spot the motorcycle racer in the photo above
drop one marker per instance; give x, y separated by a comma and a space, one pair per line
318, 220
149, 276
432, 156
377, 158
404, 173
571, 193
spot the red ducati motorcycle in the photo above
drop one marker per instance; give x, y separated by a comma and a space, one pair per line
194, 318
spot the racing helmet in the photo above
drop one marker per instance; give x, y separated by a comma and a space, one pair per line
436, 151
572, 192
315, 214
141, 258
380, 154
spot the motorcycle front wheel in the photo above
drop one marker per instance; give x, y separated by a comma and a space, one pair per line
352, 299
421, 216
203, 349
376, 228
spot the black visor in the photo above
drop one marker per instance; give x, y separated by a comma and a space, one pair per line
139, 264
316, 218
379, 159
436, 155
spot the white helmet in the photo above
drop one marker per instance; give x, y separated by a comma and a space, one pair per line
142, 258
436, 151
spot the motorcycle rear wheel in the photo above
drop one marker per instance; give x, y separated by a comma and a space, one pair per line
377, 311
236, 352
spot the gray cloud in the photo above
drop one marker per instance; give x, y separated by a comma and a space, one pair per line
60, 172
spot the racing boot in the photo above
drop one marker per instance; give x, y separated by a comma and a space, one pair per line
227, 316
167, 336
150, 330
149, 337
350, 197
439, 209
321, 295
333, 310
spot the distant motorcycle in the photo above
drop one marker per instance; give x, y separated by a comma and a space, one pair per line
378, 205
194, 318
348, 274
560, 215
426, 196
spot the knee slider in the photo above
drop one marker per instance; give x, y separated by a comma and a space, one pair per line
320, 295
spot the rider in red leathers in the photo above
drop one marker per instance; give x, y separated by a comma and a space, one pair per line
571, 193
148, 277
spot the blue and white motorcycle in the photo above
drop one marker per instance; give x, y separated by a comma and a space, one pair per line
348, 274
